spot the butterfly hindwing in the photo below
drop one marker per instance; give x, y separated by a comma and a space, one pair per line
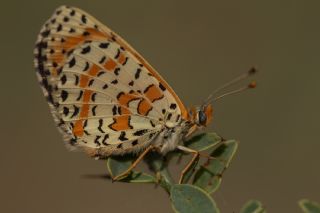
103, 95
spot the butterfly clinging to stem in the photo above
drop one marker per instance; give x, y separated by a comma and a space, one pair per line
105, 98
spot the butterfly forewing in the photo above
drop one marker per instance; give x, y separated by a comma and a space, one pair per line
103, 95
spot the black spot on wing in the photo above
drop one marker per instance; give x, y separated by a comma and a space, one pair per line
85, 33
125, 61
162, 87
140, 132
122, 136
178, 118
118, 54
105, 86
105, 139
86, 50
63, 79
90, 82
84, 19
80, 95
72, 62
45, 33
152, 124
66, 19
137, 74
104, 45
114, 110
101, 73
102, 59
64, 95
100, 126
116, 71
135, 142
76, 80
86, 66
65, 111
86, 132
93, 110
72, 12
173, 106
85, 123
148, 87
75, 111
96, 141
93, 97
59, 28
120, 94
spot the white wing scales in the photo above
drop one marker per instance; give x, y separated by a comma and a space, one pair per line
103, 95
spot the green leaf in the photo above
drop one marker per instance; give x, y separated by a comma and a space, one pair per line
119, 164
188, 174
158, 165
208, 177
203, 141
139, 177
187, 198
253, 206
309, 206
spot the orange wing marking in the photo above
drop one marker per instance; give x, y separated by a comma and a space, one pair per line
153, 93
78, 127
144, 107
121, 122
122, 58
110, 65
84, 79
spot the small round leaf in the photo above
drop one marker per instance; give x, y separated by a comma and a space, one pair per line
208, 177
253, 206
187, 198
309, 206
119, 164
203, 141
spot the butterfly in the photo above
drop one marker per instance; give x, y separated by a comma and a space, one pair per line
106, 99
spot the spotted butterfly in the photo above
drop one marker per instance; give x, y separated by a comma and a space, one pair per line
104, 96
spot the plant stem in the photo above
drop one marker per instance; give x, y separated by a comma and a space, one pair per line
158, 165
166, 180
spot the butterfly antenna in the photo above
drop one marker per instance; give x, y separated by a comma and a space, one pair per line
245, 75
252, 85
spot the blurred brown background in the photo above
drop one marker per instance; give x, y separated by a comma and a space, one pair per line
196, 46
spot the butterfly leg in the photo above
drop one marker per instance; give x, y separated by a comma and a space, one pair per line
133, 165
195, 157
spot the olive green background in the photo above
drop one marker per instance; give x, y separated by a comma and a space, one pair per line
196, 46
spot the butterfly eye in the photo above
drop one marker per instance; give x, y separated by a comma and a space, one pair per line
202, 118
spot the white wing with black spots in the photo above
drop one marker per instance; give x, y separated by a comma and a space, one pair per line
103, 95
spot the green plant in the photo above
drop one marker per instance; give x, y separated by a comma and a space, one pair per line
194, 194
198, 183
308, 206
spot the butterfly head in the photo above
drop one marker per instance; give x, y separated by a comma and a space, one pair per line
201, 116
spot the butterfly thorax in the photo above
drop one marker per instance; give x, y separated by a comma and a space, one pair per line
174, 134
170, 137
